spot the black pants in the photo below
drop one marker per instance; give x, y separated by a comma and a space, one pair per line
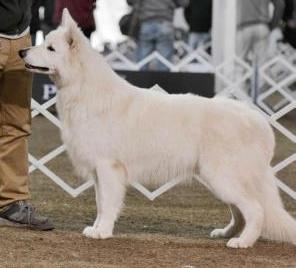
290, 36
87, 31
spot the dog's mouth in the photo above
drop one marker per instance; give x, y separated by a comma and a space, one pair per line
37, 68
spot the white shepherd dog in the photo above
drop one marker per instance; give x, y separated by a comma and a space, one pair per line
119, 134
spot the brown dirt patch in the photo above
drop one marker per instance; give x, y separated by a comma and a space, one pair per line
70, 249
172, 231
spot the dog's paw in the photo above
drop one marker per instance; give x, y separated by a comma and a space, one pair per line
237, 243
90, 232
218, 233
96, 233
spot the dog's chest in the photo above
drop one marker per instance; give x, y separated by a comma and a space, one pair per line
75, 131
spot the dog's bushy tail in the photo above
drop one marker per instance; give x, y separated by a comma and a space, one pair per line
278, 224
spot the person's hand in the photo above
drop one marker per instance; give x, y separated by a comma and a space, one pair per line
292, 23
275, 36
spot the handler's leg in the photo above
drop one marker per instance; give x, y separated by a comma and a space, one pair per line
15, 97
112, 180
15, 124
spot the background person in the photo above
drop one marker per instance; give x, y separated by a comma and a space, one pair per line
254, 26
45, 24
198, 15
156, 29
81, 11
15, 118
290, 22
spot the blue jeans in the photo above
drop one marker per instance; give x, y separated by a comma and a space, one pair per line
156, 35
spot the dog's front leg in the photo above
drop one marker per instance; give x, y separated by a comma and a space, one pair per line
109, 196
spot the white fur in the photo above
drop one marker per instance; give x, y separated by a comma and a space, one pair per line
120, 134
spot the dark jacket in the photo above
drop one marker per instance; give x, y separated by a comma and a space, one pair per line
199, 15
252, 12
158, 9
80, 10
290, 13
290, 9
15, 16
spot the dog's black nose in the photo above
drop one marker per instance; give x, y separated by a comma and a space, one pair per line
23, 52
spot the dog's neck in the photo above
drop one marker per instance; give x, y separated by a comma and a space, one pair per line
82, 71
97, 85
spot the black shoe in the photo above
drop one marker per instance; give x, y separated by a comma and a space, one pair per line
22, 214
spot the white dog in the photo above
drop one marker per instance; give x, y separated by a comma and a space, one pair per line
119, 134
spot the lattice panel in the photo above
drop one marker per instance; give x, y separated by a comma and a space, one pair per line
277, 75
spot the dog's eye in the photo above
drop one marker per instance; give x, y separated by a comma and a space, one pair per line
50, 48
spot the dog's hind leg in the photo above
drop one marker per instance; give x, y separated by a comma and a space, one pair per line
97, 194
233, 228
238, 190
253, 215
110, 195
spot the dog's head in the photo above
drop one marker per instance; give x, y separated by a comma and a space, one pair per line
56, 52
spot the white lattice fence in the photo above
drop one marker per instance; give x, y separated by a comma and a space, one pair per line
278, 74
277, 79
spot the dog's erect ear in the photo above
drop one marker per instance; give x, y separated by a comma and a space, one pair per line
67, 20
71, 27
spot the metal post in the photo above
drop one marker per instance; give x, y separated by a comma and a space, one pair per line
223, 32
254, 81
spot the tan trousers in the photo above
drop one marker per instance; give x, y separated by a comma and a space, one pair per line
15, 121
